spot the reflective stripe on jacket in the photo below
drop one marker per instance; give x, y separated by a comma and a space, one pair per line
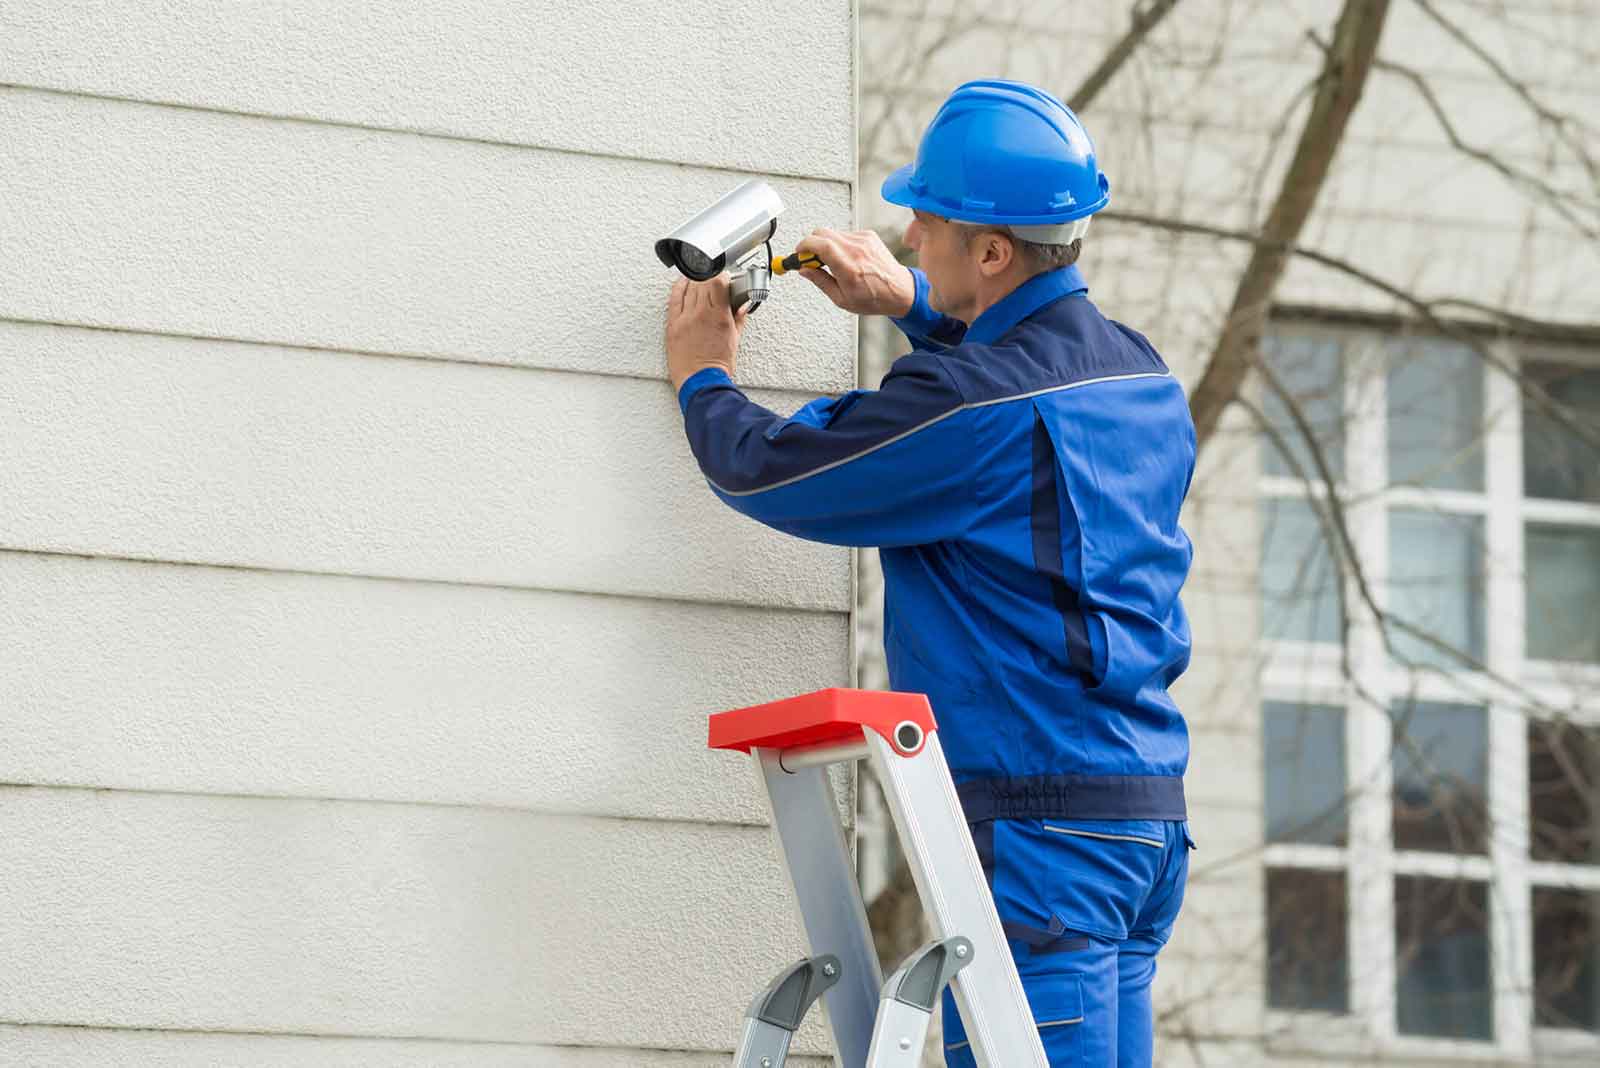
1022, 478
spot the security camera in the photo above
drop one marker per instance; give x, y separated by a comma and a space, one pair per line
726, 236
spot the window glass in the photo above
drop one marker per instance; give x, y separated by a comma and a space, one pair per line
1442, 958
1436, 585
1441, 770
1566, 959
1303, 750
1435, 414
1564, 792
1563, 592
1311, 372
1307, 965
1299, 586
1556, 461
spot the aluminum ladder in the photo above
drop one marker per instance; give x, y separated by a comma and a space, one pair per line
876, 1024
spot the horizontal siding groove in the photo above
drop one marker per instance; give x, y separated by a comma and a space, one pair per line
267, 116
451, 806
753, 606
337, 350
344, 1036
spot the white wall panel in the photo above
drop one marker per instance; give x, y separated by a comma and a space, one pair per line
178, 221
156, 677
759, 86
182, 449
354, 571
160, 911
75, 1047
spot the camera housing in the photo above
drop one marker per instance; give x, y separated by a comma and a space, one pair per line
721, 236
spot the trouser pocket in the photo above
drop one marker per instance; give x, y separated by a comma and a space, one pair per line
1057, 1005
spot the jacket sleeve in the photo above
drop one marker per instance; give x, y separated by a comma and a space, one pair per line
923, 326
890, 466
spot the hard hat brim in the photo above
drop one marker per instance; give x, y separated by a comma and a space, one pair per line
897, 188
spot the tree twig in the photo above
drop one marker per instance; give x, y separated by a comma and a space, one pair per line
1344, 76
1562, 124
1426, 310
1146, 17
1557, 200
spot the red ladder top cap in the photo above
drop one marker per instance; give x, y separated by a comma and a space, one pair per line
832, 715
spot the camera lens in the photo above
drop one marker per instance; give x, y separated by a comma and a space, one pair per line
694, 263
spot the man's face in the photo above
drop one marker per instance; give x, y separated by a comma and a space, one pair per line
952, 269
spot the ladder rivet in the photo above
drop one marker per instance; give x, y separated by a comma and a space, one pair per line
766, 1062
961, 951
828, 969
905, 1043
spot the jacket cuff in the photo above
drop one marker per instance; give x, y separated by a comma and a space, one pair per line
706, 376
921, 320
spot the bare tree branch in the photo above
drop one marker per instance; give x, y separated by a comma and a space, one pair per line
1344, 76
1564, 125
1426, 310
1557, 200
1146, 17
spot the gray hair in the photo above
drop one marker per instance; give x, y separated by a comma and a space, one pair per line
1039, 256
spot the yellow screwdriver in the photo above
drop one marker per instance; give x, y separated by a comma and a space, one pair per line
794, 262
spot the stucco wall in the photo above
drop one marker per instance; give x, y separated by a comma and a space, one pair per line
360, 603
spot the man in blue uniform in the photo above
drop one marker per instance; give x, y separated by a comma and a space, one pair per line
1021, 471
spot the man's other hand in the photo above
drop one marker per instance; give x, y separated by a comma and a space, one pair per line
702, 331
862, 275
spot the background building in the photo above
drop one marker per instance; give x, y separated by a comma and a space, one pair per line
1396, 682
360, 604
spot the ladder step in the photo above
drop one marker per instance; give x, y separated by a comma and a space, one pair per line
776, 1012
909, 995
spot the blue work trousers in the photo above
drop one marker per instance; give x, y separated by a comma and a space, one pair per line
1087, 905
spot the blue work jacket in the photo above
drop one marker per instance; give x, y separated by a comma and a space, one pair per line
1022, 479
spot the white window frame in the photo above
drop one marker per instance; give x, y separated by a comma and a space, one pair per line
1310, 673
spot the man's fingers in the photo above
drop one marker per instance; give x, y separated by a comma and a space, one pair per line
675, 300
825, 282
827, 247
709, 295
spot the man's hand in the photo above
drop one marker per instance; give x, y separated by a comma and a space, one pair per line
862, 275
701, 329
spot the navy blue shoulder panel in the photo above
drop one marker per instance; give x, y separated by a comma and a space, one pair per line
1066, 342
766, 451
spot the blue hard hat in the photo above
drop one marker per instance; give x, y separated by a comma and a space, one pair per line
1004, 153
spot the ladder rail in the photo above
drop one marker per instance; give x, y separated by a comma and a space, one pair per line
805, 817
944, 865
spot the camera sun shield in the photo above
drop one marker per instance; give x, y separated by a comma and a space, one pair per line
720, 236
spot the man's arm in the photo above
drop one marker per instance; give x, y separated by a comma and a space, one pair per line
891, 466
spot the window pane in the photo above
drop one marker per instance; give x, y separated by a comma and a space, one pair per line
1307, 967
1311, 371
1442, 958
1436, 585
1441, 770
1566, 959
1564, 792
1435, 414
1303, 748
1555, 461
1299, 587
1563, 566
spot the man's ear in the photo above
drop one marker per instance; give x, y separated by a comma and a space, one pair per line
999, 253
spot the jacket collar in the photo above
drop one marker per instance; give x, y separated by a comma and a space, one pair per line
1032, 295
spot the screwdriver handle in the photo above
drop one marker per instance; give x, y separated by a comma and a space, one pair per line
794, 262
